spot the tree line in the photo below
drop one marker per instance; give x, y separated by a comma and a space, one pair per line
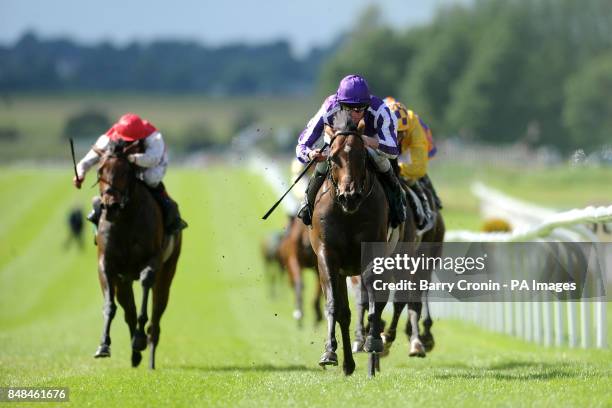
35, 64
496, 71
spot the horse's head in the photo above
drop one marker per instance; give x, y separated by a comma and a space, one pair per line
347, 162
116, 177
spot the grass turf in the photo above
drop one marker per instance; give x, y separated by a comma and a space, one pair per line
224, 341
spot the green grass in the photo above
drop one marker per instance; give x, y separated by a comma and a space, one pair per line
224, 341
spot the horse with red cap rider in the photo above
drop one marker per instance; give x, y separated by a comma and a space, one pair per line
380, 137
152, 163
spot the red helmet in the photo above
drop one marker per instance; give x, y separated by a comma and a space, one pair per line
130, 127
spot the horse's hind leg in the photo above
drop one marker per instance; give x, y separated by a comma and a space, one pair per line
427, 337
108, 290
139, 341
295, 275
412, 329
389, 335
361, 300
317, 303
161, 293
125, 297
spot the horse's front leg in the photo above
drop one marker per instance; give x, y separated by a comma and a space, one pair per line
328, 277
125, 297
147, 279
344, 319
108, 291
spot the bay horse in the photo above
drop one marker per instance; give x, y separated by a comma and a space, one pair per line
350, 208
132, 246
296, 254
291, 252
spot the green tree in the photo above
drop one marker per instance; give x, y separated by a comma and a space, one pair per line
444, 48
86, 124
587, 113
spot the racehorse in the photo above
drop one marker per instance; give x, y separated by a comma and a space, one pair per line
132, 246
291, 251
295, 253
429, 245
350, 208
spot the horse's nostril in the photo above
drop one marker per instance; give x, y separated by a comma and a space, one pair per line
342, 197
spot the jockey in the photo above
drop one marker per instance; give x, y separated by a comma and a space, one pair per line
416, 146
151, 165
380, 139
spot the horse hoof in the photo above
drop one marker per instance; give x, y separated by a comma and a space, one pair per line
348, 367
416, 349
297, 314
386, 348
428, 342
136, 358
373, 345
102, 351
328, 358
358, 346
139, 342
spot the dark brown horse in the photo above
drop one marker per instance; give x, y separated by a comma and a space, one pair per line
350, 208
132, 246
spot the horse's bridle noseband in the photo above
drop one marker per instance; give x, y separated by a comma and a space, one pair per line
330, 163
125, 194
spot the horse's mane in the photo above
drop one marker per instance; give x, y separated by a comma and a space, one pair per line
117, 147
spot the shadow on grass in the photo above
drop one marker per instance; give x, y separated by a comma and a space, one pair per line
250, 368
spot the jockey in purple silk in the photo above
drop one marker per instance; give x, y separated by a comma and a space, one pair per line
380, 138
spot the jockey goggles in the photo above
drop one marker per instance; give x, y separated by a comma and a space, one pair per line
361, 107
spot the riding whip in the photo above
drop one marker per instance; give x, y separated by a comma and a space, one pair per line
287, 192
271, 210
74, 160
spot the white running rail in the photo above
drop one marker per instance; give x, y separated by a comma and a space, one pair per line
573, 324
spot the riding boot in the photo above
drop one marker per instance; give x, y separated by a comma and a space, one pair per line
94, 215
172, 218
396, 197
425, 218
307, 207
428, 185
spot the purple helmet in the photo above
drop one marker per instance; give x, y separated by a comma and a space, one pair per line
353, 89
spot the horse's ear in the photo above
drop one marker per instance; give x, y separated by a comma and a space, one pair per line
329, 131
361, 126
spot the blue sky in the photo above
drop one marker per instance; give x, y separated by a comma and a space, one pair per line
303, 23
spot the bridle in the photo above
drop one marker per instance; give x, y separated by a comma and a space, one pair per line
125, 193
367, 177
